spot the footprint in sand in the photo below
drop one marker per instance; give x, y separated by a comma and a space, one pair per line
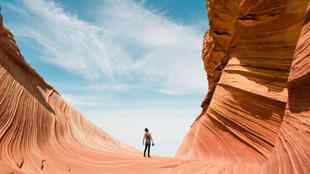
43, 164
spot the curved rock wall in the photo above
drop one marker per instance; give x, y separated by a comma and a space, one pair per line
292, 150
248, 54
255, 118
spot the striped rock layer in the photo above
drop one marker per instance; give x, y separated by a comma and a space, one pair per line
255, 115
255, 118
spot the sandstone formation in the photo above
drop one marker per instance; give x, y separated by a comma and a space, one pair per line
255, 118
246, 116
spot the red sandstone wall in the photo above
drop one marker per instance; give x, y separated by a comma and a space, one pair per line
255, 118
250, 116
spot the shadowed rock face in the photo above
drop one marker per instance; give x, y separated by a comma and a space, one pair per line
255, 118
250, 115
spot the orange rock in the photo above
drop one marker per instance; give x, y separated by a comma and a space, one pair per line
255, 118
249, 118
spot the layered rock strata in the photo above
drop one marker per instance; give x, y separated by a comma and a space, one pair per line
255, 118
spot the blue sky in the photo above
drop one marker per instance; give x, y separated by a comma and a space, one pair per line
125, 64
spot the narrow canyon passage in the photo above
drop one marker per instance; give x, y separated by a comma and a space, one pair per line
255, 118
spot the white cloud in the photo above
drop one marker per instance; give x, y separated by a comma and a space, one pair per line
82, 101
105, 87
125, 41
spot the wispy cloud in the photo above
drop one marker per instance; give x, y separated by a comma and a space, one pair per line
82, 101
126, 42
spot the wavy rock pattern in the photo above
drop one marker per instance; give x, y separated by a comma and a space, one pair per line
255, 113
255, 118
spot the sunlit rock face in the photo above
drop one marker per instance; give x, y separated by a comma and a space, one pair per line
247, 55
255, 118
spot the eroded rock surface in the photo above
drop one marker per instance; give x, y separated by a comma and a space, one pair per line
249, 115
255, 118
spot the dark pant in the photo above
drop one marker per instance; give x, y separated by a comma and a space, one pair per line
148, 148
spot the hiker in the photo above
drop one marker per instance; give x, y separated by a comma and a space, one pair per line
147, 141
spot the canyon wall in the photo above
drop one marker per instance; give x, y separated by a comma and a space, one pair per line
255, 113
255, 117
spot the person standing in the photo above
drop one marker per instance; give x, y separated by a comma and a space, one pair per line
147, 142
